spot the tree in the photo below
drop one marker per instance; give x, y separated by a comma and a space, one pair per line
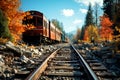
89, 17
58, 24
82, 33
86, 36
106, 31
14, 16
89, 20
96, 14
91, 33
4, 30
108, 8
77, 35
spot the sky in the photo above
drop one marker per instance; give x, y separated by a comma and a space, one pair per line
69, 12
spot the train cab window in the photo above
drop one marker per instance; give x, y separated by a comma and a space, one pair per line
33, 21
39, 21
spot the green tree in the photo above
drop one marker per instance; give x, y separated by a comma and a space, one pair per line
89, 20
108, 8
58, 24
4, 30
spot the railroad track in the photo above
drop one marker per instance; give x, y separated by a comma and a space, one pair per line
98, 67
64, 64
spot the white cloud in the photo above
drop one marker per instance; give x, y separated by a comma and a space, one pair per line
68, 12
77, 21
86, 2
83, 11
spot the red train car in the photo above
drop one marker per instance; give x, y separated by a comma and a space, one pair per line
41, 31
44, 31
52, 31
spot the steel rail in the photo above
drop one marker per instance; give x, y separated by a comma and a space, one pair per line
37, 73
91, 72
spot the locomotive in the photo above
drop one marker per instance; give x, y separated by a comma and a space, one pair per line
44, 32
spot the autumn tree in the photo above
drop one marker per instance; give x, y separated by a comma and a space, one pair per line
14, 16
86, 36
106, 31
112, 9
91, 33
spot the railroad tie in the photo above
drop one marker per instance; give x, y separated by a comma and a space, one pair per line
64, 67
65, 74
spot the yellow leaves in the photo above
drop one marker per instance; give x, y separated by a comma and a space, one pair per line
2, 41
91, 31
117, 29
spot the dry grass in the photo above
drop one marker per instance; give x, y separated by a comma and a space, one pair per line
3, 41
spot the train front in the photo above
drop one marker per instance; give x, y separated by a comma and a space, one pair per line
40, 31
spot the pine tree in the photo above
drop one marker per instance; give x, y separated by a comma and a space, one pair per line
89, 20
108, 8
89, 17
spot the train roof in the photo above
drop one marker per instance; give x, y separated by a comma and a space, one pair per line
37, 13
34, 12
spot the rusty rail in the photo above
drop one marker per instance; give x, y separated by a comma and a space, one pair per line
86, 66
36, 73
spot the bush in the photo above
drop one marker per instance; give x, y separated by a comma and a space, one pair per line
4, 30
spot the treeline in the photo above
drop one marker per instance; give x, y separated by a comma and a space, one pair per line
100, 28
58, 24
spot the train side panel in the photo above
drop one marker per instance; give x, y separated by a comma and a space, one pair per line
45, 27
52, 31
58, 35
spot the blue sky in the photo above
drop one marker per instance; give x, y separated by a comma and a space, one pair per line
70, 12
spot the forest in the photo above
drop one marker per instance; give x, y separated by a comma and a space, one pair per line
101, 28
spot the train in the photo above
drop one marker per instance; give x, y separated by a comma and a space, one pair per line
44, 30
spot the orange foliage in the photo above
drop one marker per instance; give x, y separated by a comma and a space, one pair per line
86, 35
15, 17
106, 31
